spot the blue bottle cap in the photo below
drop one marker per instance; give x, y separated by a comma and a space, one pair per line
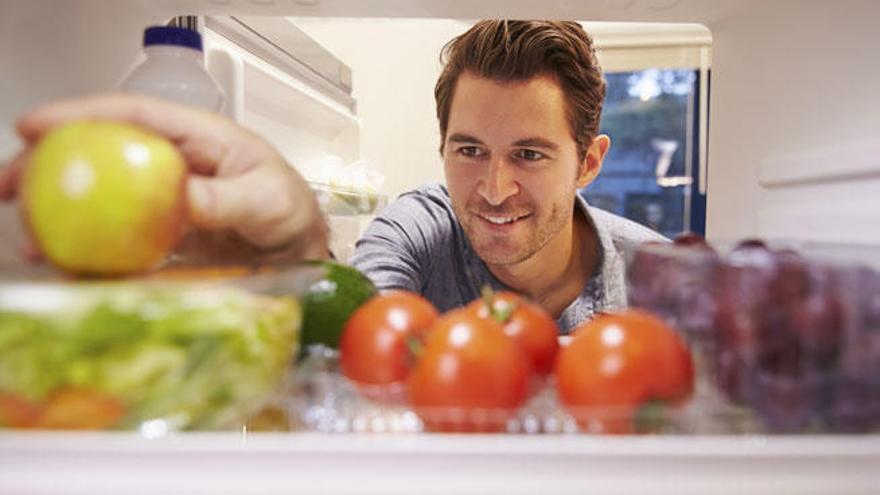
177, 36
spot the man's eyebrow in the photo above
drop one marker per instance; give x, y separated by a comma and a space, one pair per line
537, 142
464, 138
534, 142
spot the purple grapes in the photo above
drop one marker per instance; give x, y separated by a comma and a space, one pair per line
670, 280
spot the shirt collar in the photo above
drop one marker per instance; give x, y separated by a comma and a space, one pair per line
609, 281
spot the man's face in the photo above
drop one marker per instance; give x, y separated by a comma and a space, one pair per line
511, 164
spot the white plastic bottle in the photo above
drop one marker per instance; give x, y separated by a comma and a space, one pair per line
174, 69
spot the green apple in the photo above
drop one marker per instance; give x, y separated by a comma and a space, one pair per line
104, 198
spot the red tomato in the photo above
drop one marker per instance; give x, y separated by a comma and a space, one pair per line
80, 409
375, 346
616, 363
527, 323
470, 377
17, 411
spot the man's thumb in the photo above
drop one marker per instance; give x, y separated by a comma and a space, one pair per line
214, 203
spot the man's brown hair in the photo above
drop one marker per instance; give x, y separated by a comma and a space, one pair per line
513, 51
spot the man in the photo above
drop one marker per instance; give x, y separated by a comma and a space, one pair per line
519, 104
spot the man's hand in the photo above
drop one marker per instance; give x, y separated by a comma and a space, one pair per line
238, 184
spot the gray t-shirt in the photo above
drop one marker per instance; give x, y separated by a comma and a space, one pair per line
417, 244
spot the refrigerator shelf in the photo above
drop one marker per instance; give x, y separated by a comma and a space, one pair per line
269, 463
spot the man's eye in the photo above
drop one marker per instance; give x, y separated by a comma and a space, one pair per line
470, 151
530, 155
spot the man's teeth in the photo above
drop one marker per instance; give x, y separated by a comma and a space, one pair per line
501, 220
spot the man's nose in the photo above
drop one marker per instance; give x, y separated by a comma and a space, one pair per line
499, 183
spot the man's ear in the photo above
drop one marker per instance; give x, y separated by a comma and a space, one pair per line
592, 164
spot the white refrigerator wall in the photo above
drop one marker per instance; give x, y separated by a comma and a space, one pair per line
794, 99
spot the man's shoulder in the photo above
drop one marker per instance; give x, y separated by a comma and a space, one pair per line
432, 191
423, 215
416, 244
432, 196
621, 229
426, 208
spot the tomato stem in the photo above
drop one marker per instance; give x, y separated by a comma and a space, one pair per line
501, 315
415, 346
504, 314
650, 417
488, 296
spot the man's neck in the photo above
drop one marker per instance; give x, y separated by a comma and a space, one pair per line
558, 273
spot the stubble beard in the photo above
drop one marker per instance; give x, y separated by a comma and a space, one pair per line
495, 250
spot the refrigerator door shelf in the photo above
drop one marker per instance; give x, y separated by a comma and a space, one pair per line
273, 90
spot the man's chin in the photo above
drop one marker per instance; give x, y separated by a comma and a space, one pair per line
497, 250
501, 257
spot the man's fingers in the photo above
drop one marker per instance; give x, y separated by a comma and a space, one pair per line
11, 173
172, 121
31, 252
206, 140
267, 206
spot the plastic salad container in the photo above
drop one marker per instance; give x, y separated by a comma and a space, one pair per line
183, 350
